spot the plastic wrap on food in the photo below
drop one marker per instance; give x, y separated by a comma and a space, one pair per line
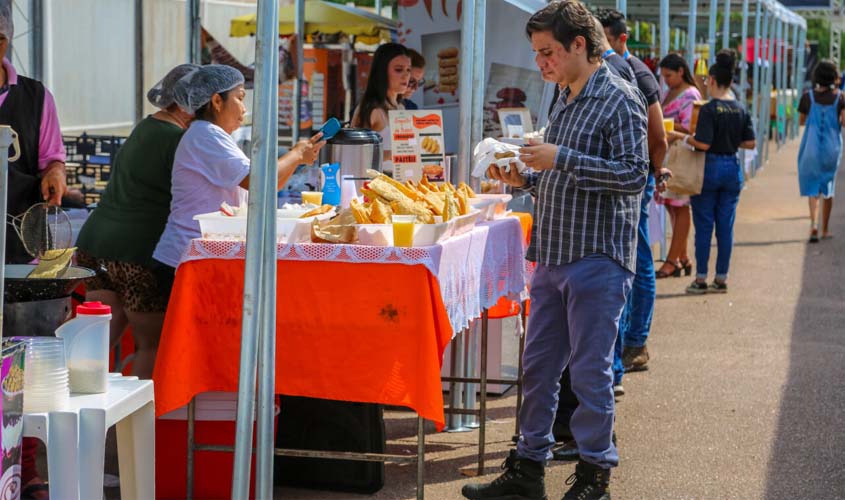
490, 151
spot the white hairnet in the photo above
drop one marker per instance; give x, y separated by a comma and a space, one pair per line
197, 88
163, 93
7, 27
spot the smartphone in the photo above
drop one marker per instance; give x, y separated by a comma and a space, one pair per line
330, 128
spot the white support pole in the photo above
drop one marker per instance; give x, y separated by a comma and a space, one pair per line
465, 88
726, 25
653, 43
299, 36
711, 30
757, 72
259, 311
622, 6
193, 42
691, 27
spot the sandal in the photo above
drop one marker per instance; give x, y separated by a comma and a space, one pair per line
675, 272
686, 265
814, 236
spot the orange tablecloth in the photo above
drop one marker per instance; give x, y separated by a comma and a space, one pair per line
345, 331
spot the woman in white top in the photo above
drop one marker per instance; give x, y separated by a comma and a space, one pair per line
389, 77
209, 168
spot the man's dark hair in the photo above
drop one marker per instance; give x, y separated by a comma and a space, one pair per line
417, 59
567, 19
613, 20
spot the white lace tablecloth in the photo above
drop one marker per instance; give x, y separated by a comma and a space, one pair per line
456, 263
504, 272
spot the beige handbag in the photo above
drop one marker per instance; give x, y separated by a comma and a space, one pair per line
687, 168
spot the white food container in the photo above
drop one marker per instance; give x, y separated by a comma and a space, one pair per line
464, 223
491, 206
425, 235
215, 225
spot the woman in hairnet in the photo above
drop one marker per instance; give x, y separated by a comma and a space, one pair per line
28, 107
119, 237
209, 168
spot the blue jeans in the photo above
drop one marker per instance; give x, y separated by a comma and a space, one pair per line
716, 207
636, 317
575, 311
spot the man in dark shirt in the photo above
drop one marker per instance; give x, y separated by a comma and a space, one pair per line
588, 180
636, 321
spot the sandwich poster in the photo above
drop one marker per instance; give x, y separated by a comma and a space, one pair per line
417, 145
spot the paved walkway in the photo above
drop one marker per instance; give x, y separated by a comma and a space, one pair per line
745, 398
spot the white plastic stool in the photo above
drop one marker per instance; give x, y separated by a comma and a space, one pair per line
76, 440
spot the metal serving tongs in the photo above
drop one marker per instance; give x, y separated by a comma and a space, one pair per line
47, 235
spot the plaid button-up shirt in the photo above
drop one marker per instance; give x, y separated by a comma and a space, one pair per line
590, 202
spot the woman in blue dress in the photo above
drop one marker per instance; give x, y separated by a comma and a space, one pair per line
822, 114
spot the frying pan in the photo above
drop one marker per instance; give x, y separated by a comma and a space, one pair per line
19, 288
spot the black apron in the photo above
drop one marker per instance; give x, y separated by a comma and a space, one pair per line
22, 110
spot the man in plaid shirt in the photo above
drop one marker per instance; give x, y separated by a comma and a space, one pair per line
587, 180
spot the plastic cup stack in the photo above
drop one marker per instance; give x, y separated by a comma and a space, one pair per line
45, 375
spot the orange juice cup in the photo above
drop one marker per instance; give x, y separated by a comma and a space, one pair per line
668, 124
312, 197
403, 230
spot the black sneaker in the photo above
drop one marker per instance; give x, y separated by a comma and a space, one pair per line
717, 287
697, 288
523, 479
590, 482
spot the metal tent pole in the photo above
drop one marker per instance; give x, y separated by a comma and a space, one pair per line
258, 317
653, 39
743, 75
465, 88
757, 72
677, 43
622, 6
800, 71
726, 25
762, 119
264, 154
299, 36
5, 142
193, 20
711, 30
378, 7
479, 66
691, 26
770, 66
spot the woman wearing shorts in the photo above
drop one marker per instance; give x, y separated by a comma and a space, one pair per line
119, 237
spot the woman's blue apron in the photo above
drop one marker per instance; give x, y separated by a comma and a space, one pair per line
821, 149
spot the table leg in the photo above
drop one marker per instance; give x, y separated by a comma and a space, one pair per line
456, 389
524, 318
136, 454
63, 455
471, 350
92, 450
189, 485
482, 429
420, 458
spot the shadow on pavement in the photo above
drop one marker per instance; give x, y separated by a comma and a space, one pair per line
808, 455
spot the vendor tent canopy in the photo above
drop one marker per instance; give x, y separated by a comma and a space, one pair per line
324, 17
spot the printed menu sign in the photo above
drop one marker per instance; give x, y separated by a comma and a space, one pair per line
417, 145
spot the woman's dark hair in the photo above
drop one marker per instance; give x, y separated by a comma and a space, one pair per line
674, 62
825, 73
376, 94
724, 68
206, 112
567, 19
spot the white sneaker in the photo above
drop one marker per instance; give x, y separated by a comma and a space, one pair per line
618, 390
